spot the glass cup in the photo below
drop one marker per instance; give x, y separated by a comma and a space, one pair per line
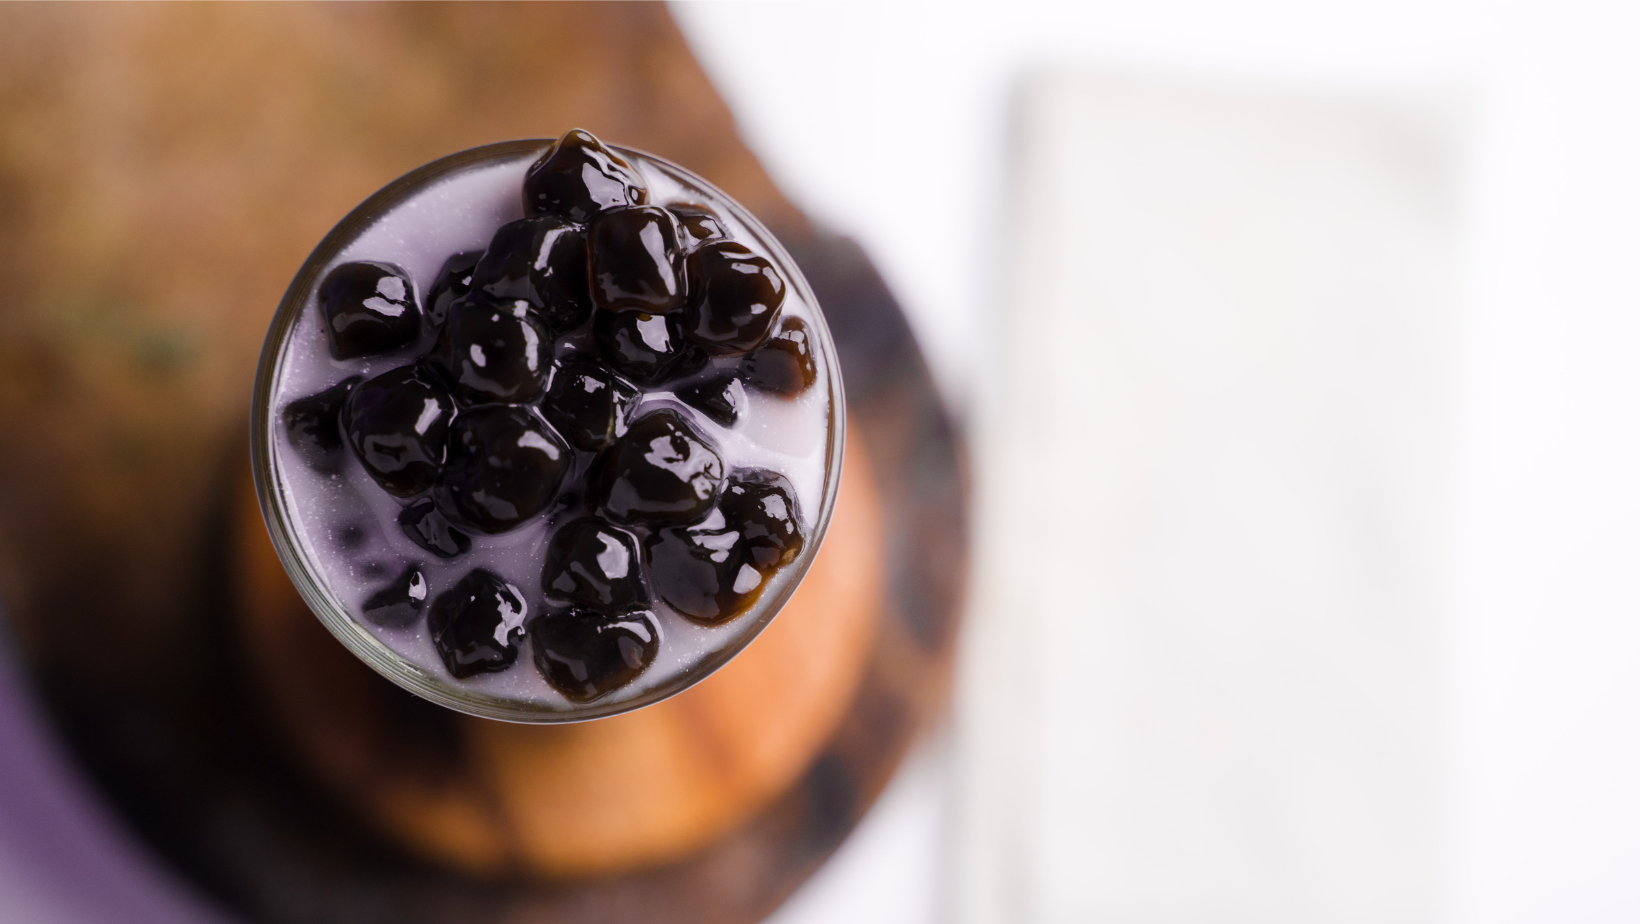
338, 535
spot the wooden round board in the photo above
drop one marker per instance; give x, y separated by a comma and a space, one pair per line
414, 813
149, 245
269, 791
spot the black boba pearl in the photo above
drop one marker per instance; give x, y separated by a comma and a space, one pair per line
505, 464
698, 223
691, 359
585, 655
762, 505
784, 365
660, 471
477, 624
635, 261
578, 178
368, 308
455, 280
643, 347
720, 397
544, 262
734, 298
314, 426
701, 571
397, 423
493, 351
399, 603
431, 530
594, 564
589, 404
715, 570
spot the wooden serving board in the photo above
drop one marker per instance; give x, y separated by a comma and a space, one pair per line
163, 171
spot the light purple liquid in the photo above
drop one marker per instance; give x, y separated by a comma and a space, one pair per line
347, 528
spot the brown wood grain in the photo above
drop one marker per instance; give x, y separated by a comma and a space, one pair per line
164, 170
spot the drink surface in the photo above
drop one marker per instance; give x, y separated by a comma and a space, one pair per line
347, 531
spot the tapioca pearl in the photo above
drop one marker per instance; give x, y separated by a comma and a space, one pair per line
454, 280
588, 403
477, 624
734, 299
397, 423
504, 466
635, 262
661, 471
368, 308
646, 348
399, 604
585, 655
578, 178
313, 426
493, 351
784, 365
542, 261
593, 563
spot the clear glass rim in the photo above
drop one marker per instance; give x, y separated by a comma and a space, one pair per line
334, 615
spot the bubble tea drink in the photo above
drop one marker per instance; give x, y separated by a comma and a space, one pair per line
547, 431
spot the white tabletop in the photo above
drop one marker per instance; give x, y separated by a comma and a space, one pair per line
1510, 538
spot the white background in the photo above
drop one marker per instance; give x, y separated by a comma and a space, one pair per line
892, 123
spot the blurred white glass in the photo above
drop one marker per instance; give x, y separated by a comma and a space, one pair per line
1538, 818
1202, 666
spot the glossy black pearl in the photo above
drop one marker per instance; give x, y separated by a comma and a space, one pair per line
431, 529
578, 178
635, 261
398, 604
493, 351
762, 505
477, 624
589, 404
504, 466
313, 425
585, 655
661, 471
734, 298
643, 347
715, 570
542, 261
785, 364
698, 223
455, 280
720, 397
368, 308
397, 423
691, 359
595, 564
